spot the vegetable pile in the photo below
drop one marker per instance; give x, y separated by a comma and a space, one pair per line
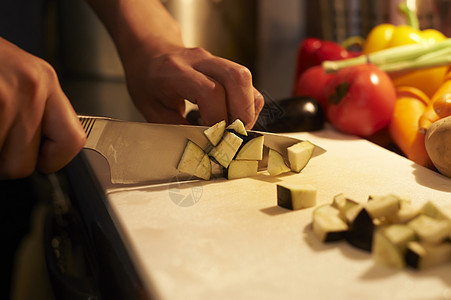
239, 152
396, 88
397, 233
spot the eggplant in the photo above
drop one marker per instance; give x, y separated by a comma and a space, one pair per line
251, 148
361, 229
430, 230
382, 206
431, 210
238, 127
225, 151
346, 206
405, 213
215, 133
276, 163
422, 255
296, 196
241, 168
291, 115
299, 155
195, 161
390, 244
327, 224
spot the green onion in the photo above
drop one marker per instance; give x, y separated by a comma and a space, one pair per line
435, 59
402, 58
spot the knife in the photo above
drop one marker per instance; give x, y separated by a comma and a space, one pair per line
134, 153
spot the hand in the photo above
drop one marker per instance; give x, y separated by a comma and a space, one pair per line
161, 72
222, 89
38, 126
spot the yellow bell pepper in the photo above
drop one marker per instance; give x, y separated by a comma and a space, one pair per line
386, 36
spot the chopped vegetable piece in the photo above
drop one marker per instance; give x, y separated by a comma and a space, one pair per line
390, 244
361, 228
422, 255
238, 126
327, 224
347, 207
276, 163
299, 155
405, 213
296, 196
431, 210
382, 206
430, 230
241, 168
195, 161
224, 152
214, 133
251, 149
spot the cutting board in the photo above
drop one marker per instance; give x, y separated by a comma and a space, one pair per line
229, 240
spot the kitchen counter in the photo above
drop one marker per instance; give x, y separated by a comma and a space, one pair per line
229, 239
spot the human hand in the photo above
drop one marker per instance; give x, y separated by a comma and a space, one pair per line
222, 89
38, 126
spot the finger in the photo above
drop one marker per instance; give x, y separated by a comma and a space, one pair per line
62, 134
259, 102
19, 135
204, 91
156, 112
237, 81
19, 152
212, 104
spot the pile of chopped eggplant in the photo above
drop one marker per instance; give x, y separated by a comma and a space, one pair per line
397, 233
238, 152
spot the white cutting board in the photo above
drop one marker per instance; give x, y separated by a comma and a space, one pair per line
233, 242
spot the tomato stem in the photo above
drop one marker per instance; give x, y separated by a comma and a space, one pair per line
340, 92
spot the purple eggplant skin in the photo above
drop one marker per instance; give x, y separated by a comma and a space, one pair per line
361, 230
284, 197
292, 115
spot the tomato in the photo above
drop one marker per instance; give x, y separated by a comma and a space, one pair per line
360, 100
312, 83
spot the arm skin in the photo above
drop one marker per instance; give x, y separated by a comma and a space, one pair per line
161, 72
38, 126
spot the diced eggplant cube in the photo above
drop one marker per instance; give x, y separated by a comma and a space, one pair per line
390, 244
251, 149
431, 210
346, 206
423, 255
276, 163
224, 152
382, 206
296, 196
215, 133
430, 230
361, 228
299, 155
195, 161
238, 127
203, 170
327, 224
241, 168
406, 213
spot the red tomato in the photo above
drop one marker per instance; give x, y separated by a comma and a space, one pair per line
360, 100
312, 83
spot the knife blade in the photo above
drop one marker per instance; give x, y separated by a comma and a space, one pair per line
148, 153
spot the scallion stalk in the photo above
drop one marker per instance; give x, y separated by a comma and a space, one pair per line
402, 55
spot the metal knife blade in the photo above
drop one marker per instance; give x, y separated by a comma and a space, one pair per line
148, 153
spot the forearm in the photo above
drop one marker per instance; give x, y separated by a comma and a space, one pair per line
133, 23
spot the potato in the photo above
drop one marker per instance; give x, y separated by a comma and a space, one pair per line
438, 145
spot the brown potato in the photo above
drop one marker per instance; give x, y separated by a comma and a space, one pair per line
438, 145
